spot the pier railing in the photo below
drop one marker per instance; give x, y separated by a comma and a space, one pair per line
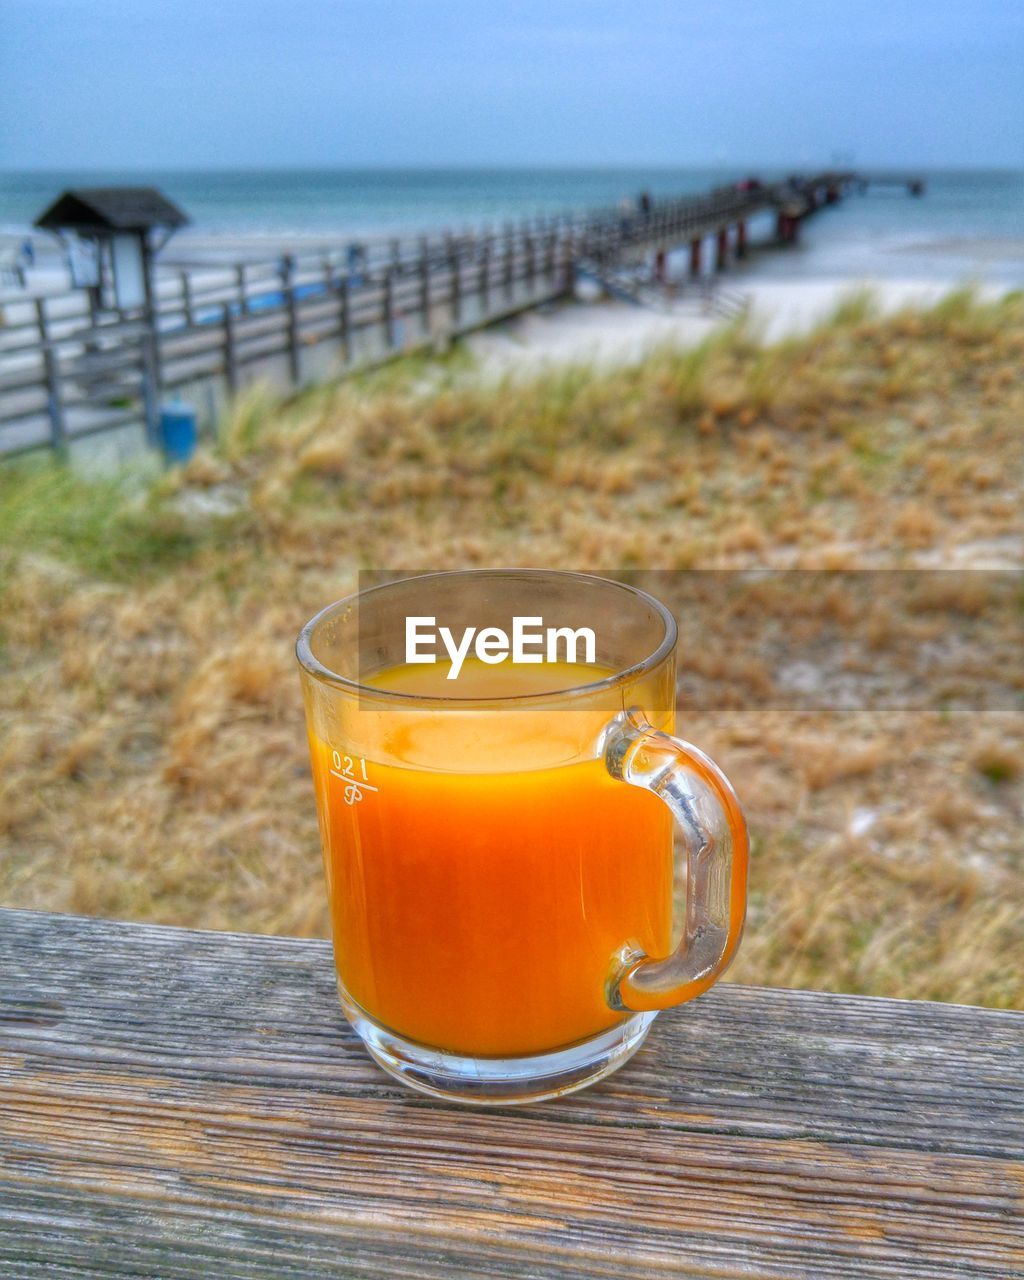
69, 372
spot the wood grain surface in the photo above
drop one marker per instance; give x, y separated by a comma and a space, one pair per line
181, 1104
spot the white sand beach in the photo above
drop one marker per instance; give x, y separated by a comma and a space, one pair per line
616, 332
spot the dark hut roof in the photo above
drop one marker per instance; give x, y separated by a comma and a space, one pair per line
111, 209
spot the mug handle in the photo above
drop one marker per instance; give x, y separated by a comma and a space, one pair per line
704, 804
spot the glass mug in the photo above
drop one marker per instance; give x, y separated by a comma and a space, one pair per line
499, 847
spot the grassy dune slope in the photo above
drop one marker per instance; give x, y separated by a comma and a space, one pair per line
152, 760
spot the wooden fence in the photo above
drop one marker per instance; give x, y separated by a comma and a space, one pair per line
69, 372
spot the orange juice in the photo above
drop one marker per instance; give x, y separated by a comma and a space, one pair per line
479, 897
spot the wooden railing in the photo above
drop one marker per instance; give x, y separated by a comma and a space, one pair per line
185, 1104
70, 372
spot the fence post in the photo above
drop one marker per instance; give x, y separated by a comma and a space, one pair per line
230, 351
186, 299
243, 301
54, 403
485, 278
288, 282
42, 322
150, 387
549, 256
51, 370
455, 289
94, 306
343, 320
508, 267
390, 335
424, 270
566, 281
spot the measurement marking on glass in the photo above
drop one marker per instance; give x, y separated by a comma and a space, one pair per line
344, 771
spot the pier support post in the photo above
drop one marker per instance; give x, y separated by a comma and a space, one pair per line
741, 239
695, 252
722, 249
660, 266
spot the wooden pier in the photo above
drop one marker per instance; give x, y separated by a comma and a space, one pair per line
68, 372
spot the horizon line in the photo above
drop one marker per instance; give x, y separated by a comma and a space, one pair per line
520, 167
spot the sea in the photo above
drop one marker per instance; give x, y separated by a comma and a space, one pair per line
969, 224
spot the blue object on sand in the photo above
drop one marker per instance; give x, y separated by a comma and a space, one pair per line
178, 431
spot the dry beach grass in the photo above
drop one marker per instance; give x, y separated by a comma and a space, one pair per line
152, 759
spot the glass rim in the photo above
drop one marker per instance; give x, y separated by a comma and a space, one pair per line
324, 675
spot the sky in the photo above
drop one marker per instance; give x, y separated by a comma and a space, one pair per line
309, 83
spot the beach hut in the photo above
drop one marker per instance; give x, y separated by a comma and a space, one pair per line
113, 233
